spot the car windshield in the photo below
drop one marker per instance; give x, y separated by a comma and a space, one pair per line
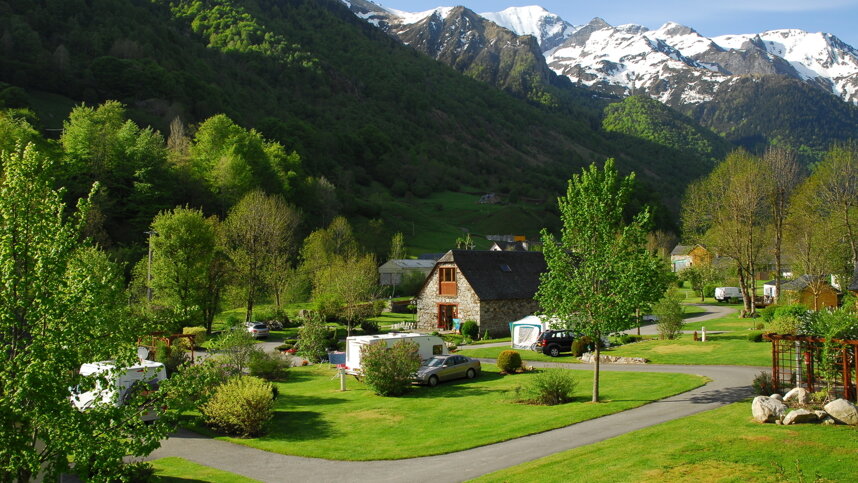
259, 326
435, 362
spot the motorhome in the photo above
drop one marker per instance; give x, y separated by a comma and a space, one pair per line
120, 384
727, 294
427, 346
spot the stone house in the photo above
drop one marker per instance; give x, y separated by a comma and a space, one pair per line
684, 256
492, 288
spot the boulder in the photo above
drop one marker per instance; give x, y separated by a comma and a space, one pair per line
842, 411
777, 396
800, 416
828, 421
821, 414
767, 410
798, 394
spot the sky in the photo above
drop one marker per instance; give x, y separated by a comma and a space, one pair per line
838, 17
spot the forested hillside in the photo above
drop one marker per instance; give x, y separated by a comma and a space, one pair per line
343, 117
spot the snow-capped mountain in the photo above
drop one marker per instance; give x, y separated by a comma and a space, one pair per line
673, 63
549, 29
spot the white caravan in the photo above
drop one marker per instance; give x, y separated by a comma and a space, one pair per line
427, 346
725, 294
120, 384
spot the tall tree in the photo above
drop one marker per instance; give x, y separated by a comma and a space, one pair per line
599, 270
61, 305
782, 178
257, 230
397, 247
728, 211
836, 179
183, 246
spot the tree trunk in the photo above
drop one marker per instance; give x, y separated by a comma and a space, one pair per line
249, 316
596, 374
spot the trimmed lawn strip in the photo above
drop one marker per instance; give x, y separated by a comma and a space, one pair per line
314, 419
719, 445
175, 469
719, 349
526, 355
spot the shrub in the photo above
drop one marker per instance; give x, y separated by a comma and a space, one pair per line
199, 334
755, 337
171, 356
330, 307
630, 338
313, 339
235, 348
378, 307
233, 322
369, 326
551, 387
509, 361
785, 324
768, 313
799, 311
470, 329
581, 345
763, 384
759, 326
240, 407
669, 311
270, 366
284, 347
709, 290
388, 370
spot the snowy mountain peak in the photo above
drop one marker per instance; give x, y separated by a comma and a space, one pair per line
549, 29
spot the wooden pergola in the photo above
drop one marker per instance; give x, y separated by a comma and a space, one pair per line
168, 340
796, 360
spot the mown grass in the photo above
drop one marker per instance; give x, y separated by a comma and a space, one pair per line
719, 445
719, 349
313, 418
175, 469
526, 355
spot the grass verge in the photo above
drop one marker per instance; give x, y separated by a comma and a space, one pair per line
719, 349
314, 419
174, 469
719, 445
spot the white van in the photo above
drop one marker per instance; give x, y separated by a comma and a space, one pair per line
726, 294
148, 373
428, 346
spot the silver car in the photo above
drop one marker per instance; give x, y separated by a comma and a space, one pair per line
447, 367
258, 330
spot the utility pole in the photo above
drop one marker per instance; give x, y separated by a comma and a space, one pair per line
149, 267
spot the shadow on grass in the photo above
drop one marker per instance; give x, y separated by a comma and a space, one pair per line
298, 400
298, 426
176, 479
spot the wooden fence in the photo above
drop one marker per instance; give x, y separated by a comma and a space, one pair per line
798, 361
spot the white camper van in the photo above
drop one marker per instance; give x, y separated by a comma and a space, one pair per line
726, 294
119, 387
428, 346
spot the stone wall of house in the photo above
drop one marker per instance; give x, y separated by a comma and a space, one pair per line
468, 305
495, 315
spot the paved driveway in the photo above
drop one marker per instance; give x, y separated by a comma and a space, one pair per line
729, 384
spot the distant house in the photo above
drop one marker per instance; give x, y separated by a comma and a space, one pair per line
684, 256
392, 272
492, 288
801, 291
516, 246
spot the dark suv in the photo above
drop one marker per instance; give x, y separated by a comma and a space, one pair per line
553, 342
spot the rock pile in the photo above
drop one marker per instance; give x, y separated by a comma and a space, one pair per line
772, 409
589, 358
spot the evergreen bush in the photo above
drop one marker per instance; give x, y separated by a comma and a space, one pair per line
551, 387
240, 407
509, 361
470, 329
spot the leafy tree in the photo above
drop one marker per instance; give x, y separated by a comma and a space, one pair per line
699, 276
388, 370
352, 281
397, 247
669, 312
313, 338
61, 305
599, 270
728, 211
236, 348
783, 176
259, 230
183, 245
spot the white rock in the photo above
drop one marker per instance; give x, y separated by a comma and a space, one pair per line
799, 395
767, 410
821, 414
800, 416
828, 421
842, 411
777, 396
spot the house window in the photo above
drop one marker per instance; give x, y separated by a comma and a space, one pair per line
447, 281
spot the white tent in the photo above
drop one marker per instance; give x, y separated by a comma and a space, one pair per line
525, 331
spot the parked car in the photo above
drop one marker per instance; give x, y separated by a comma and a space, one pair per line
553, 342
445, 368
727, 294
258, 330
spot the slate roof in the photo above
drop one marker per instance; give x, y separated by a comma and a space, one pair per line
499, 275
798, 284
515, 246
680, 250
407, 263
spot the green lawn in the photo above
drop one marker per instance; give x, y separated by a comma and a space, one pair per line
727, 349
719, 445
526, 355
178, 470
314, 419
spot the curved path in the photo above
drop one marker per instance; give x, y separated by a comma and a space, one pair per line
729, 384
711, 312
